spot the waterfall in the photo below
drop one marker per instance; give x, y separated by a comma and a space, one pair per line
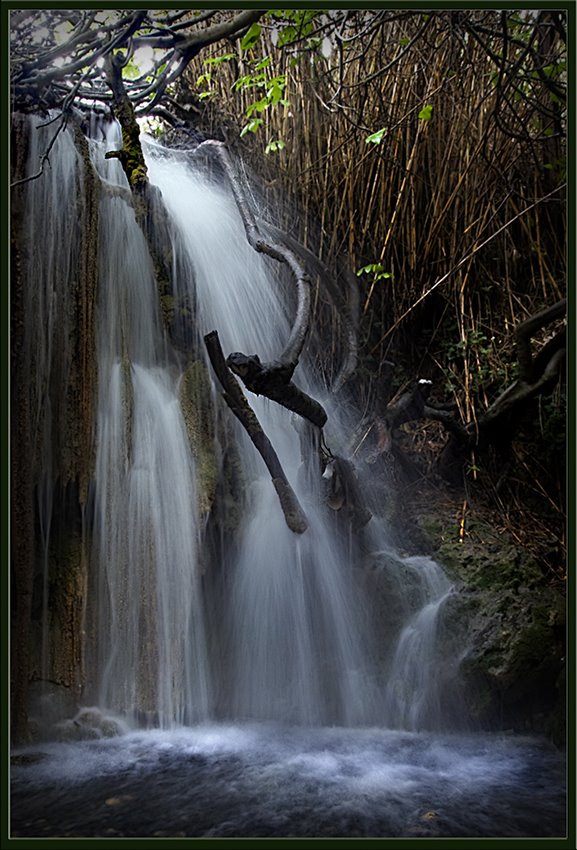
281, 626
151, 639
53, 279
416, 675
296, 645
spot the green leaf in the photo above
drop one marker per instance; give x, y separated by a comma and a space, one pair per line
131, 70
426, 112
376, 138
251, 37
216, 60
258, 106
264, 63
275, 146
404, 41
375, 268
274, 94
251, 127
249, 81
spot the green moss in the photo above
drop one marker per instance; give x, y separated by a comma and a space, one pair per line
132, 157
490, 565
195, 396
167, 308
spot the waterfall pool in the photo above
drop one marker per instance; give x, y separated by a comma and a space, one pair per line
268, 780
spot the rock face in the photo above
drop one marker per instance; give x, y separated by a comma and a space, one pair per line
510, 622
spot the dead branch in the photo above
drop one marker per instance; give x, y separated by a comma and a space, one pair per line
536, 377
347, 308
278, 252
45, 156
235, 399
528, 329
273, 381
519, 392
34, 70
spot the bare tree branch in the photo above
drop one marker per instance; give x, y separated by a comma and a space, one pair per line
235, 399
294, 346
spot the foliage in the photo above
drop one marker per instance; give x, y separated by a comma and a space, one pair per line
376, 269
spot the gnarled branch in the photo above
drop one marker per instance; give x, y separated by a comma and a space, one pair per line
278, 252
347, 308
536, 375
528, 329
274, 379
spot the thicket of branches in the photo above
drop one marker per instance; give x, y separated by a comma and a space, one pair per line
426, 153
430, 151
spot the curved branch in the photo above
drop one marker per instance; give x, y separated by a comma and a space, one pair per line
294, 346
347, 309
197, 40
517, 393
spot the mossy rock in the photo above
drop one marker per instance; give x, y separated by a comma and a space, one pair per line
490, 565
229, 501
514, 657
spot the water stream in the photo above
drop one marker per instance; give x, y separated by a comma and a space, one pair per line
274, 710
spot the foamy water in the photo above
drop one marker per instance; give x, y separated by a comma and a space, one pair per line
272, 780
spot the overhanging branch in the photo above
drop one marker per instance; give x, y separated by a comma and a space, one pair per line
273, 379
279, 252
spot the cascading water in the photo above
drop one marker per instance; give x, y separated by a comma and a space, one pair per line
151, 640
282, 628
296, 646
296, 639
412, 700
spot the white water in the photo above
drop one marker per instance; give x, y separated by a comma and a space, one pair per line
268, 780
51, 247
415, 683
149, 619
286, 631
297, 645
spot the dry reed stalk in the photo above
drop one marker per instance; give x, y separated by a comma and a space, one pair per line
423, 199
